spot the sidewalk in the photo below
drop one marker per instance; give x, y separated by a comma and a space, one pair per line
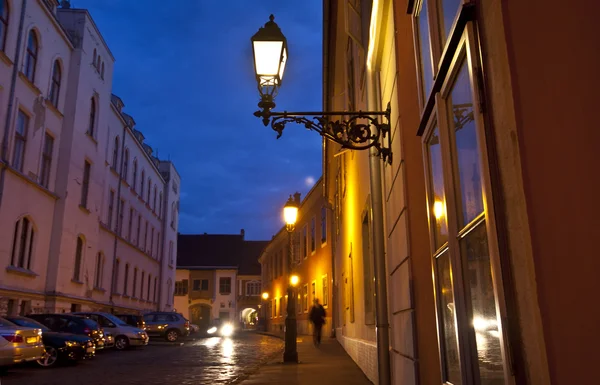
327, 364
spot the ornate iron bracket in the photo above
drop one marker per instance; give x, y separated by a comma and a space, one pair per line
360, 131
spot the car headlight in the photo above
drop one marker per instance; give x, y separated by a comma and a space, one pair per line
227, 330
212, 330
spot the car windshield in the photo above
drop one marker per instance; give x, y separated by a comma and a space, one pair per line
6, 324
29, 323
115, 320
90, 323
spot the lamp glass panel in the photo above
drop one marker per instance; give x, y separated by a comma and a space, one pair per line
283, 61
290, 214
267, 55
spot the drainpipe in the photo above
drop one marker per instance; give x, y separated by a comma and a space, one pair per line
120, 209
383, 350
11, 100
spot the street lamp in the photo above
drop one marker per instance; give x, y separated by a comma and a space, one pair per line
361, 130
290, 354
265, 297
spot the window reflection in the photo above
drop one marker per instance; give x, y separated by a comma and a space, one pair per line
439, 221
449, 9
446, 303
467, 150
426, 71
474, 250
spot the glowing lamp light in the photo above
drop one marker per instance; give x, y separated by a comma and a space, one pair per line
294, 279
438, 209
265, 296
269, 46
290, 213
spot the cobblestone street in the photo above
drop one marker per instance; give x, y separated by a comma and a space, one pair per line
203, 361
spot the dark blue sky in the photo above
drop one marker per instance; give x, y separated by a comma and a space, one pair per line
184, 70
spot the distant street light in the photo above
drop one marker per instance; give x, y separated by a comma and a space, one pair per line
290, 354
360, 131
265, 296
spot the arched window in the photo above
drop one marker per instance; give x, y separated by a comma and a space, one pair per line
92, 123
160, 198
125, 164
3, 23
22, 248
154, 204
99, 270
115, 156
149, 189
142, 184
134, 174
102, 71
55, 87
94, 58
78, 259
31, 55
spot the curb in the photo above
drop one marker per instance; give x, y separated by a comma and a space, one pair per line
270, 335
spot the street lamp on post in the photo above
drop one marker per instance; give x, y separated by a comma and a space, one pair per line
265, 297
361, 130
290, 354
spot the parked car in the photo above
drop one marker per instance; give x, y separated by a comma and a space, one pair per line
70, 323
133, 320
124, 335
109, 340
167, 325
60, 347
19, 344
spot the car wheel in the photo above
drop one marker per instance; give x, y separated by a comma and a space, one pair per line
50, 359
172, 335
121, 343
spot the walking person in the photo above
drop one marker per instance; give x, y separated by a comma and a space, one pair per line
317, 317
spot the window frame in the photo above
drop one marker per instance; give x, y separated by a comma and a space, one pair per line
4, 21
55, 83
78, 263
225, 284
23, 245
99, 270
20, 137
31, 55
85, 183
91, 131
46, 164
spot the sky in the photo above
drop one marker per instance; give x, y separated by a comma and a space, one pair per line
184, 70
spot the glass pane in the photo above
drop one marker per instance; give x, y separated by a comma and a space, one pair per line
425, 51
449, 10
474, 250
464, 132
446, 306
438, 200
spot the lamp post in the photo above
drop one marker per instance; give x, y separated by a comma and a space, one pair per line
265, 297
290, 354
361, 130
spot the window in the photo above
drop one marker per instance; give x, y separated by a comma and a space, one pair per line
21, 128
154, 204
196, 287
115, 155
155, 283
253, 288
313, 290
152, 241
85, 185
134, 182
134, 291
160, 199
313, 234
78, 259
130, 224
368, 271
204, 285
142, 184
173, 215
169, 291
125, 164
46, 160
121, 215
111, 202
22, 248
3, 23
171, 252
145, 247
149, 189
31, 56
425, 63
115, 281
453, 140
139, 226
94, 58
325, 294
102, 71
280, 306
305, 298
142, 284
126, 279
305, 241
225, 285
99, 268
92, 123
149, 275
158, 244
55, 86
98, 60
323, 224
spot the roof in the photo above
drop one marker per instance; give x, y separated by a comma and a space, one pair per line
219, 251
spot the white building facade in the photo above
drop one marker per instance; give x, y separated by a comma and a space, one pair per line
88, 215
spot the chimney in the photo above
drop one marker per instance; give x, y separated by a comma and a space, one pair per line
65, 4
297, 198
242, 233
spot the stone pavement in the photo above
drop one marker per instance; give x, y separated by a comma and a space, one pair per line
327, 364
